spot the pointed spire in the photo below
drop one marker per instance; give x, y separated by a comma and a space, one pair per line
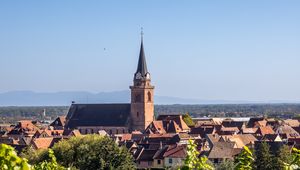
142, 65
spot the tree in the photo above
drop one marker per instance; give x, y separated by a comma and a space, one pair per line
10, 160
225, 165
193, 161
263, 157
244, 160
34, 156
91, 152
49, 164
283, 157
295, 160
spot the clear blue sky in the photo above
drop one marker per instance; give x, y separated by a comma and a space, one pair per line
231, 50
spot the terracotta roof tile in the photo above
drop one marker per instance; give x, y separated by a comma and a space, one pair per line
223, 150
175, 151
292, 122
265, 130
42, 143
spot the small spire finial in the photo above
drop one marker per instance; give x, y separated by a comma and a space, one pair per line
142, 33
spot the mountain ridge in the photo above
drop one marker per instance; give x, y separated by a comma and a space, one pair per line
65, 98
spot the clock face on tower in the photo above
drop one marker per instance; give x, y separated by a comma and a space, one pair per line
138, 75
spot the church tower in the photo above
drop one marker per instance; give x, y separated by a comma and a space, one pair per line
142, 105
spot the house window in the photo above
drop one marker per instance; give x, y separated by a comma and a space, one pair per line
149, 163
158, 162
137, 114
117, 131
92, 131
170, 160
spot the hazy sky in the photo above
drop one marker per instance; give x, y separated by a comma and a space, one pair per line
231, 50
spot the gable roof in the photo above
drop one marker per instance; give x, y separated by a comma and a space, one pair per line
265, 130
271, 137
177, 118
232, 123
240, 140
175, 151
213, 138
42, 143
249, 130
59, 121
288, 130
160, 153
98, 115
223, 150
24, 127
292, 122
261, 123
252, 121
163, 127
146, 155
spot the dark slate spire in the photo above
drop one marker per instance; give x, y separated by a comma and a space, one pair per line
142, 65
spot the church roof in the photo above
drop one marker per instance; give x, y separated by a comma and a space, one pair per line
98, 115
142, 65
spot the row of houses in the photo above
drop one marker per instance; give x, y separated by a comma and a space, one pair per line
163, 143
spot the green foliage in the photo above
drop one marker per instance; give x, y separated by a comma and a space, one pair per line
92, 152
226, 165
244, 160
12, 114
283, 158
264, 159
188, 120
192, 160
49, 164
9, 159
34, 156
295, 160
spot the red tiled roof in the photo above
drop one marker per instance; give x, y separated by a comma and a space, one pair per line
265, 130
175, 151
42, 143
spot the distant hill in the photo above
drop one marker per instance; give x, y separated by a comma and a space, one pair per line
29, 98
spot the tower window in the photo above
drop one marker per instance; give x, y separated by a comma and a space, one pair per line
149, 97
138, 98
137, 114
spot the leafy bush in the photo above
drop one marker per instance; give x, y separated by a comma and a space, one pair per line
193, 161
49, 164
245, 160
34, 156
10, 160
91, 152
